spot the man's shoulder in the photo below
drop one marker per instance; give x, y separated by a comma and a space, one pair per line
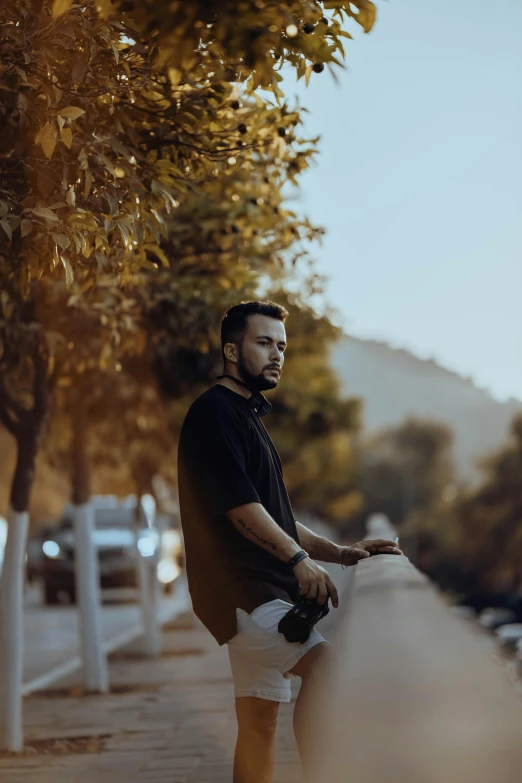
215, 402
210, 415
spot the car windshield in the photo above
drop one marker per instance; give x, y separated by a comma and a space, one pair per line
123, 518
105, 518
114, 517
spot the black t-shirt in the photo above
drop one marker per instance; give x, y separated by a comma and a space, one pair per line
227, 459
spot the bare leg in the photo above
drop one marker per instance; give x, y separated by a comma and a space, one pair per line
254, 757
317, 671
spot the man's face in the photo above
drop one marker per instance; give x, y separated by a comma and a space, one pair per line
260, 356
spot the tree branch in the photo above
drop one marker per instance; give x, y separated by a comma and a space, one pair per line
40, 383
9, 403
10, 425
11, 412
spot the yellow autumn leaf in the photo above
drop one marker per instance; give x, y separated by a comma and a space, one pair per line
158, 252
174, 76
7, 228
69, 275
365, 15
66, 136
46, 138
60, 7
88, 184
26, 227
71, 112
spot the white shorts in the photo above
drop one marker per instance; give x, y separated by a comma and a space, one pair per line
260, 656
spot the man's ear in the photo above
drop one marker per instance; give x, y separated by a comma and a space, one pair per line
230, 352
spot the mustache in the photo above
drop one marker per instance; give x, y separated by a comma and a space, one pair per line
274, 367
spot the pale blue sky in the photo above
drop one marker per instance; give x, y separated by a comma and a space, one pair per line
419, 184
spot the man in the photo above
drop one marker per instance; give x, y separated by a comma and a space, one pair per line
241, 541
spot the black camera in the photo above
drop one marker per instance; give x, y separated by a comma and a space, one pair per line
297, 624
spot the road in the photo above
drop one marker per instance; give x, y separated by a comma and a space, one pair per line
52, 633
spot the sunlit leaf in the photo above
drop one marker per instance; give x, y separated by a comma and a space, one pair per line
152, 158
47, 138
26, 227
66, 136
156, 249
60, 7
115, 52
69, 274
7, 228
61, 240
22, 101
366, 16
88, 183
71, 112
44, 212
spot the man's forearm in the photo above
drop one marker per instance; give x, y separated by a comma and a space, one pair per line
255, 523
317, 547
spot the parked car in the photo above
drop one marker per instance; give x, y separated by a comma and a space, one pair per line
117, 539
34, 557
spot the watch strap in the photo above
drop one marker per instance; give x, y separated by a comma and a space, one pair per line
297, 558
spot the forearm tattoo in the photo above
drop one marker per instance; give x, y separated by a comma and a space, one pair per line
257, 537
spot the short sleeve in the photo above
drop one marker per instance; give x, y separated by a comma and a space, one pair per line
212, 458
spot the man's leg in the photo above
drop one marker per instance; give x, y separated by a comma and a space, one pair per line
254, 757
317, 672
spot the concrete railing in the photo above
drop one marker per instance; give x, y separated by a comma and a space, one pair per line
417, 699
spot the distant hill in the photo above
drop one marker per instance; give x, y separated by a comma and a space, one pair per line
395, 384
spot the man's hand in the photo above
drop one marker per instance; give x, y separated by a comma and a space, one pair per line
380, 546
315, 583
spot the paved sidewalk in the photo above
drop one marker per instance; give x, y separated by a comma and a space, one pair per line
52, 634
168, 720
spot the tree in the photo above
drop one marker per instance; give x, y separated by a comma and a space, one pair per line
483, 528
313, 427
106, 135
310, 423
246, 39
67, 223
404, 471
23, 416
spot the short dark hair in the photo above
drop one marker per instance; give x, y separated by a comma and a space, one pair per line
235, 320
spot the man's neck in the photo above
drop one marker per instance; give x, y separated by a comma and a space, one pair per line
235, 387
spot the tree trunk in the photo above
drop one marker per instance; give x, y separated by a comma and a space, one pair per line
80, 478
12, 594
149, 590
87, 572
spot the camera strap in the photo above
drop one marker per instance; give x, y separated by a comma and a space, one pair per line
257, 401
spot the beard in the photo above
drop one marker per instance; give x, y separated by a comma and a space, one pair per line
256, 381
